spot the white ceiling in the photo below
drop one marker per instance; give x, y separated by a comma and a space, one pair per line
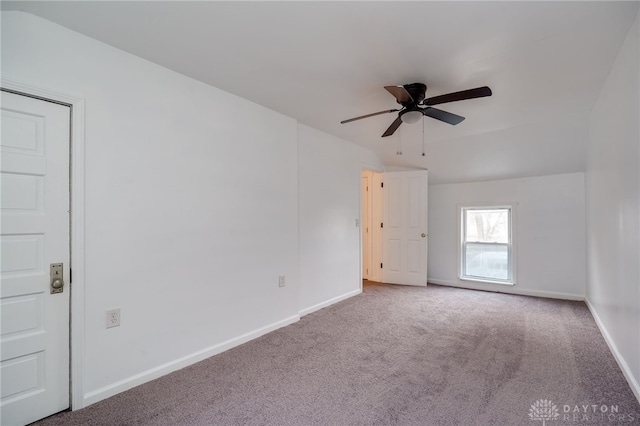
323, 62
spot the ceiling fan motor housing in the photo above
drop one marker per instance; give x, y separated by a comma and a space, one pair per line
417, 92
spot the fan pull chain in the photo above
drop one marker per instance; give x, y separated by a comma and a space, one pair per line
399, 148
423, 154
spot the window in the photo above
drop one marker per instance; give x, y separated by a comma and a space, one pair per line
487, 246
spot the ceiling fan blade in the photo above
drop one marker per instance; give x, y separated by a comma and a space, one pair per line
441, 115
369, 115
400, 93
394, 126
478, 92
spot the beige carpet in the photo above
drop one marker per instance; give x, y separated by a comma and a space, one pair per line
397, 355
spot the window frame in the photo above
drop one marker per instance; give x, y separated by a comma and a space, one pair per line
462, 244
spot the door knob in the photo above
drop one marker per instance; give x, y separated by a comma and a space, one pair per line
423, 235
57, 284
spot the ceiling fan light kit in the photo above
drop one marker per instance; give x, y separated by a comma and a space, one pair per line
411, 116
415, 106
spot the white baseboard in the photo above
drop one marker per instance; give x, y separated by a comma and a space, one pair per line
151, 374
508, 289
633, 383
326, 303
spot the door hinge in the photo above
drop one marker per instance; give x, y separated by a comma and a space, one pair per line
381, 266
381, 225
70, 275
381, 184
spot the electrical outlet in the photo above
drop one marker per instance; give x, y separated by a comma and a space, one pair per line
113, 318
281, 281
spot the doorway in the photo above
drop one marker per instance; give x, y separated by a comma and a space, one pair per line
371, 218
394, 226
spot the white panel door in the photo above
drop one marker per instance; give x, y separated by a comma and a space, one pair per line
404, 232
34, 178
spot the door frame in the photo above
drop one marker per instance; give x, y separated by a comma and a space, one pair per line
77, 237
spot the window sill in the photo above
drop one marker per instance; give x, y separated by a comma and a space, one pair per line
487, 281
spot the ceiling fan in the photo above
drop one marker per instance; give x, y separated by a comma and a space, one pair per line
414, 105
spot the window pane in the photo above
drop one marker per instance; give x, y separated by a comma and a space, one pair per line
487, 261
488, 226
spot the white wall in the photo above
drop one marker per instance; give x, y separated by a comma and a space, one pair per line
548, 232
191, 205
195, 202
329, 171
613, 209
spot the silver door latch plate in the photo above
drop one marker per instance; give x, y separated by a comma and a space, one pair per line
57, 282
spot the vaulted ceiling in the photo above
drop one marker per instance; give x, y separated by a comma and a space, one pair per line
323, 62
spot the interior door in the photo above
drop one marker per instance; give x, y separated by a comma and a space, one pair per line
365, 225
34, 174
404, 230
